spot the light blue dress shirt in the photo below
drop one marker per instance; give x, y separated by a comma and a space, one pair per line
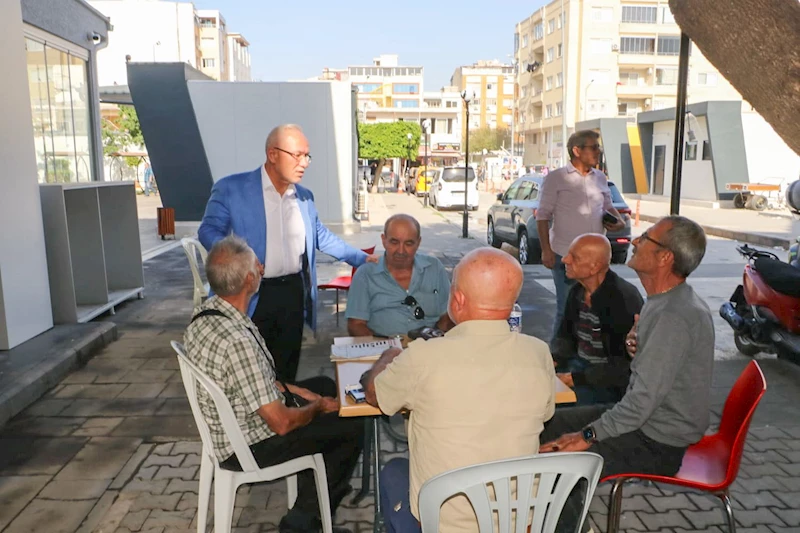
376, 297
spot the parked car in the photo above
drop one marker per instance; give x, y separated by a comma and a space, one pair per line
447, 188
513, 220
424, 180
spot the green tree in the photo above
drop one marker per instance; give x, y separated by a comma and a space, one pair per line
382, 141
489, 139
123, 134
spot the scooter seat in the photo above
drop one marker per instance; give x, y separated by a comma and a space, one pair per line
781, 276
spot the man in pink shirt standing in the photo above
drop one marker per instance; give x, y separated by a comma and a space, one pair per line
572, 202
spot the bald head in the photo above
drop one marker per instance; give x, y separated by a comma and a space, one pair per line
279, 132
486, 283
589, 257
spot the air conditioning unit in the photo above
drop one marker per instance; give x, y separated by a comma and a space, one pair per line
615, 48
647, 102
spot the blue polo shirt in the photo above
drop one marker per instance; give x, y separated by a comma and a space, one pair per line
376, 297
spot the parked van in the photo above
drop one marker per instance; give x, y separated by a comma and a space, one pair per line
447, 188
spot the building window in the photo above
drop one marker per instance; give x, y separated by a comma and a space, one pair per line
535, 139
629, 78
706, 151
668, 46
451, 103
208, 23
548, 84
507, 102
405, 88
551, 26
548, 111
666, 16
406, 103
544, 137
602, 14
550, 54
637, 45
690, 151
59, 90
600, 46
559, 109
666, 76
707, 78
558, 22
523, 91
598, 107
640, 14
368, 87
559, 50
209, 62
559, 79
538, 31
627, 109
524, 41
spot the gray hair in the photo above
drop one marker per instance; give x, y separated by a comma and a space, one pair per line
687, 242
578, 139
227, 265
401, 216
277, 132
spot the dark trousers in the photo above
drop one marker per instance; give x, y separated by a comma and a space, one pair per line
338, 439
631, 452
587, 394
279, 318
395, 498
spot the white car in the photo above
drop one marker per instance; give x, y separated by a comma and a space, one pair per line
447, 188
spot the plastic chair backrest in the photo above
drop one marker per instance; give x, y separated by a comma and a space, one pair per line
738, 412
192, 247
191, 377
556, 474
367, 251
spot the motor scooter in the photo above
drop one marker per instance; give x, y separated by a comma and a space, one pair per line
764, 311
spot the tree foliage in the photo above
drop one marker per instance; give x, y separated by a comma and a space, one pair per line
123, 134
389, 139
489, 139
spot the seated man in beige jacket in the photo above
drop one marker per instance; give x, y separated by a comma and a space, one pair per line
480, 393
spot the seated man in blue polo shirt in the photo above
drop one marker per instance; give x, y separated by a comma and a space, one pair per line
403, 291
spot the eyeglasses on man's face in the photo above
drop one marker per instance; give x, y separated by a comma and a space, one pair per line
645, 237
419, 313
593, 147
300, 157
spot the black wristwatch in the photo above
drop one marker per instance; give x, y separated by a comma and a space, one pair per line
589, 435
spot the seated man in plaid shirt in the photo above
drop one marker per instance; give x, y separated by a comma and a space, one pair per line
280, 421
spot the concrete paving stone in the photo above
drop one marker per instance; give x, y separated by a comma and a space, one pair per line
44, 426
97, 427
145, 486
767, 432
74, 489
790, 517
769, 444
131, 468
792, 469
130, 407
790, 483
164, 460
192, 459
628, 521
28, 456
175, 406
759, 484
102, 392
704, 519
157, 364
163, 502
84, 408
16, 492
673, 501
150, 427
636, 502
764, 470
142, 390
762, 515
164, 449
188, 501
757, 499
639, 488
175, 378
147, 473
173, 390
187, 446
771, 456
79, 376
792, 431
47, 407
112, 377
791, 499
672, 518
182, 486
151, 530
712, 529
251, 515
149, 376
134, 520
779, 529
172, 519
51, 516
790, 456
354, 514
100, 512
756, 529
101, 458
168, 472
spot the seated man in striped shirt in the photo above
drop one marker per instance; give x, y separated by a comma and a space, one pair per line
601, 308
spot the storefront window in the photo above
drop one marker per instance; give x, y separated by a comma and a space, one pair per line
60, 109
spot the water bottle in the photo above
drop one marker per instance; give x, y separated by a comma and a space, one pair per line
515, 319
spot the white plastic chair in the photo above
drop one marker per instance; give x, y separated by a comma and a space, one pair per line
557, 475
192, 247
227, 481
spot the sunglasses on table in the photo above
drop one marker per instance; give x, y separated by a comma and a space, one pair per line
410, 301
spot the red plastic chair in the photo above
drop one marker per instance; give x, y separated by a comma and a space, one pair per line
342, 283
712, 464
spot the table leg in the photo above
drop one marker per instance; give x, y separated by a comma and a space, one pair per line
366, 462
376, 467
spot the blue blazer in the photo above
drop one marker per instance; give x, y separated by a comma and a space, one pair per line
236, 206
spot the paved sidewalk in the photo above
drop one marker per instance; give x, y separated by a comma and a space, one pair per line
113, 447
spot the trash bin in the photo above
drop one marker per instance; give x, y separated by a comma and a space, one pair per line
166, 222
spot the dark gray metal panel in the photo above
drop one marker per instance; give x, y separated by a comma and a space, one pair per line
646, 138
700, 108
161, 97
614, 135
728, 155
72, 20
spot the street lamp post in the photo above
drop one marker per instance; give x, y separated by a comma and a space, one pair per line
465, 223
426, 126
408, 160
586, 99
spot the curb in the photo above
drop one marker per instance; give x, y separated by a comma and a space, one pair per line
741, 236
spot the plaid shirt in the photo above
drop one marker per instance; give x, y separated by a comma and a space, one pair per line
225, 350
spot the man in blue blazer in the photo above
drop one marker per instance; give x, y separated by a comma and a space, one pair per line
276, 216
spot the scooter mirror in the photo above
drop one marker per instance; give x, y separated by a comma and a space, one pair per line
793, 196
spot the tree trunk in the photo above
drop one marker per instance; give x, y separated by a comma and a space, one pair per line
378, 174
755, 44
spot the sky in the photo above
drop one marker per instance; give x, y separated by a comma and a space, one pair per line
297, 39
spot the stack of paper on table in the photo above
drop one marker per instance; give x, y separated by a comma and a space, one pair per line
360, 348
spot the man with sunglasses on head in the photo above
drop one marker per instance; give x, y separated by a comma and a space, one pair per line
572, 202
403, 291
276, 216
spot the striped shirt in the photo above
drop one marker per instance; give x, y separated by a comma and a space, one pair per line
226, 350
590, 337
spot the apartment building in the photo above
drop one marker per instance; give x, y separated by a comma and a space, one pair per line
238, 58
594, 59
213, 44
490, 84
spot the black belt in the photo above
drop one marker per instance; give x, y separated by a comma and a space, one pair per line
282, 280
